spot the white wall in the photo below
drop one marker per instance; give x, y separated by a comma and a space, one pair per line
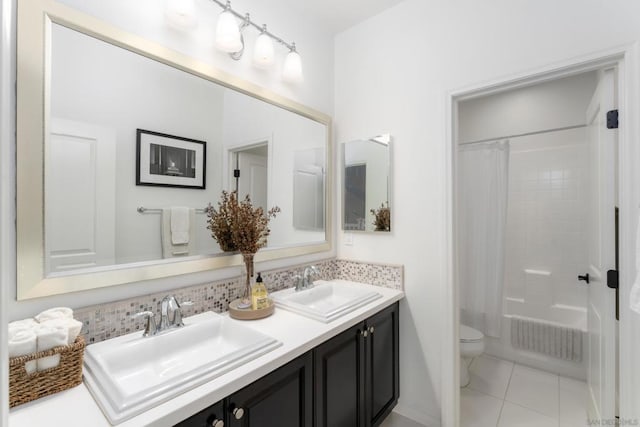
411, 57
313, 41
549, 105
145, 18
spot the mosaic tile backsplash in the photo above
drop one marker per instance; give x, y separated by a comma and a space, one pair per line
105, 321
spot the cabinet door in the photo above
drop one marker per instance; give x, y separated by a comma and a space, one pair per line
213, 416
382, 367
283, 398
339, 380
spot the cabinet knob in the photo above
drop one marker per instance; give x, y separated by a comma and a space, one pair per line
238, 413
371, 329
217, 423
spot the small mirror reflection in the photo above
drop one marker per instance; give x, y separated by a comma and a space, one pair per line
366, 188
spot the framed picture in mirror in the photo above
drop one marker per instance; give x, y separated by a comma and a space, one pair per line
169, 160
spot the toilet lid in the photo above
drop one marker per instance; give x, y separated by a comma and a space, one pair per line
468, 334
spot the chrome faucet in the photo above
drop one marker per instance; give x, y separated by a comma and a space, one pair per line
305, 281
170, 316
170, 313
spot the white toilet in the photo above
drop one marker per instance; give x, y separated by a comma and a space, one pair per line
471, 345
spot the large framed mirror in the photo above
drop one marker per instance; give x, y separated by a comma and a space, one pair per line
366, 189
115, 131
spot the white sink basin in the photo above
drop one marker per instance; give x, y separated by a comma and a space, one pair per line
130, 374
326, 300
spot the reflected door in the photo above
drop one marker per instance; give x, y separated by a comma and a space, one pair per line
355, 200
80, 196
253, 178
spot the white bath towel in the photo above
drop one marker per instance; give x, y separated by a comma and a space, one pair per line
180, 225
49, 337
55, 313
24, 342
170, 250
72, 326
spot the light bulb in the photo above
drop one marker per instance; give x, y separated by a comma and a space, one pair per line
228, 33
263, 50
181, 14
292, 69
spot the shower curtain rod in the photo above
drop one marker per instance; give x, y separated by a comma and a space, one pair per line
523, 134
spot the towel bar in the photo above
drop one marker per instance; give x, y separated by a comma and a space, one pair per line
143, 210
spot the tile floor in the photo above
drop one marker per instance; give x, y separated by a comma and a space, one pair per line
396, 420
505, 394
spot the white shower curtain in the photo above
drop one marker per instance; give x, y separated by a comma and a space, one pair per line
482, 216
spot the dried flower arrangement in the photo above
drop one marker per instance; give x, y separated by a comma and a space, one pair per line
382, 217
237, 226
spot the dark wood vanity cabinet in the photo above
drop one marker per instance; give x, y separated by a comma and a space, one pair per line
352, 380
382, 367
339, 374
357, 373
283, 398
213, 416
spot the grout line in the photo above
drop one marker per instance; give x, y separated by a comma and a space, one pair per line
504, 398
513, 367
558, 400
500, 413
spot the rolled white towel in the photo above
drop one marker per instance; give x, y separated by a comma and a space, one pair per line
55, 313
48, 338
72, 326
30, 323
21, 325
21, 343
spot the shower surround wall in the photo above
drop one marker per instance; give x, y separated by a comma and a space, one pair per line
546, 240
546, 237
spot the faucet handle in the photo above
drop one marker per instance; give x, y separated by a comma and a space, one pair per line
177, 319
150, 327
309, 272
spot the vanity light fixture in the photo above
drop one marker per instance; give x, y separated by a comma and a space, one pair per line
229, 39
263, 50
292, 69
181, 14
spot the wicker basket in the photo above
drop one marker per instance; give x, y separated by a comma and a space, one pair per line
24, 388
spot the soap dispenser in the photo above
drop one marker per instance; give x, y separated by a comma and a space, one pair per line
259, 297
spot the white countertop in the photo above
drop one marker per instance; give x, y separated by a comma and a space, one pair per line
298, 334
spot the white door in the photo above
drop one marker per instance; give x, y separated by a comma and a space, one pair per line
602, 324
80, 196
253, 178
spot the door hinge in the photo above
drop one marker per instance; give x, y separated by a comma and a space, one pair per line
612, 119
612, 279
236, 173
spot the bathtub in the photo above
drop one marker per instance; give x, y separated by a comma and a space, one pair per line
561, 315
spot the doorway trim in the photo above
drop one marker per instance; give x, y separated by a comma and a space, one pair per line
625, 58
